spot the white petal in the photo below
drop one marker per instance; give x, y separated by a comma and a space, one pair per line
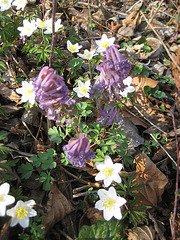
117, 213
87, 83
117, 167
107, 215
9, 199
86, 95
14, 221
127, 81
124, 93
11, 212
24, 222
4, 189
120, 201
80, 84
99, 205
108, 162
2, 209
80, 94
32, 213
100, 176
112, 192
111, 41
116, 177
130, 89
68, 44
107, 181
102, 193
100, 166
104, 37
30, 203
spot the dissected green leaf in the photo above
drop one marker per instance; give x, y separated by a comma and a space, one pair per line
25, 170
102, 229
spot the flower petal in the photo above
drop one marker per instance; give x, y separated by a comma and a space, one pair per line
4, 189
99, 205
107, 214
24, 222
117, 213
107, 182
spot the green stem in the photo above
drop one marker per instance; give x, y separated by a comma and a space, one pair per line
43, 36
89, 63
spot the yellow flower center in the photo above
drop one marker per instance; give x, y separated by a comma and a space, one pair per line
87, 53
41, 23
107, 171
27, 28
21, 213
105, 44
84, 89
72, 47
108, 203
27, 92
4, 1
1, 198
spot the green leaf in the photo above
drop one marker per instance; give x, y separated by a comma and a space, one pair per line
81, 105
25, 170
75, 63
3, 134
106, 230
46, 179
56, 134
137, 69
3, 65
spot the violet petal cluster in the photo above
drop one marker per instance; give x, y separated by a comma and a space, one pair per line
113, 70
51, 92
110, 115
78, 151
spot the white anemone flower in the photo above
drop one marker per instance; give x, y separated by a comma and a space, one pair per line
127, 81
83, 89
21, 213
110, 203
42, 24
19, 4
5, 199
57, 26
108, 171
28, 28
27, 92
104, 42
73, 47
5, 5
87, 54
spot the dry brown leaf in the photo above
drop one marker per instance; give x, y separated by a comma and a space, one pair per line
4, 234
175, 70
153, 180
131, 19
157, 228
128, 25
58, 206
160, 154
141, 233
135, 120
94, 214
140, 82
8, 93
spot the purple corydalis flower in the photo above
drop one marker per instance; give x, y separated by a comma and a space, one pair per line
113, 70
110, 115
78, 151
115, 60
51, 92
